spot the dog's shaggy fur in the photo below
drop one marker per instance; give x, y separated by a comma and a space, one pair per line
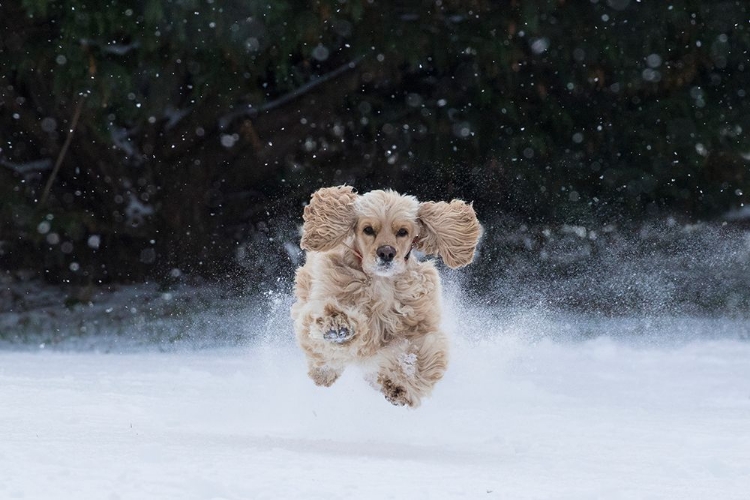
363, 297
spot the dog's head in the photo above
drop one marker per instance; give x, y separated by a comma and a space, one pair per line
382, 227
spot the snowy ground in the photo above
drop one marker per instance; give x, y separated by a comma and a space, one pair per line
534, 406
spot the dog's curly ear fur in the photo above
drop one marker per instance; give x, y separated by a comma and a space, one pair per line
329, 218
450, 230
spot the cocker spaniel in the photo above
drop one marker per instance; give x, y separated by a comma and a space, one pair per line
362, 297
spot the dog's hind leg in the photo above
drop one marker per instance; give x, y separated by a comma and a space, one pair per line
409, 369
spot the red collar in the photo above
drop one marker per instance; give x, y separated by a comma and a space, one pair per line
413, 244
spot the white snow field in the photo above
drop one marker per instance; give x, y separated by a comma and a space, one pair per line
530, 409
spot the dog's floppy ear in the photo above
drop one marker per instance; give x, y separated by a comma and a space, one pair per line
329, 218
450, 230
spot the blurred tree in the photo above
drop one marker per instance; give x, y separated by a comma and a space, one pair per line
204, 124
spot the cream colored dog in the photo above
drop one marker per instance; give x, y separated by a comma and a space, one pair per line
363, 297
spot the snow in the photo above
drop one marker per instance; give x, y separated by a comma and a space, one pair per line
738, 214
408, 363
529, 409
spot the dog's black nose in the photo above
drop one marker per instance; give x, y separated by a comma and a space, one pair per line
386, 253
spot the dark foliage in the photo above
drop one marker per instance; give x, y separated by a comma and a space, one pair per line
198, 128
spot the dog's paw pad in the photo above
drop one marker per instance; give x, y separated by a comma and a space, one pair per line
338, 335
395, 394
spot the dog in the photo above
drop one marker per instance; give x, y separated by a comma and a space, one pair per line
363, 297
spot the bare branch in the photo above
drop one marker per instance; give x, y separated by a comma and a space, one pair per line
250, 110
63, 150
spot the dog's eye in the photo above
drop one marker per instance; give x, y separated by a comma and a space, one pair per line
368, 230
402, 232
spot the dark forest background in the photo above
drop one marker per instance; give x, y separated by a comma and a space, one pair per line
149, 139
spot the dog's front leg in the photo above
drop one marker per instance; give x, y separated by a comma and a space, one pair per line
325, 332
333, 326
324, 366
324, 374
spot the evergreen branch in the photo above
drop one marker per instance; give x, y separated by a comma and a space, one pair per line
27, 167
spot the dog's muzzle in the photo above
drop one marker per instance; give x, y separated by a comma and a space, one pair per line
386, 253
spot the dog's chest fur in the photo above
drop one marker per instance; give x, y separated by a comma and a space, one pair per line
393, 308
396, 307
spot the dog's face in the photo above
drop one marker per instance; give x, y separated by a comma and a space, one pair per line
382, 226
384, 231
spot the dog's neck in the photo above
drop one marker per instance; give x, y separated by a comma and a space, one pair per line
413, 246
356, 253
352, 257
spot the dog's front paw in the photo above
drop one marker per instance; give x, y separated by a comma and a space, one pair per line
338, 336
334, 326
324, 376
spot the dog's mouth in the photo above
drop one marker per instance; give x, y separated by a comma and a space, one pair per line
385, 269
